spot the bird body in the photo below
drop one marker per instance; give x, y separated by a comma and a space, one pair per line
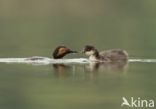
114, 55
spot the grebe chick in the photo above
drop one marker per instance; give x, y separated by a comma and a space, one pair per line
114, 55
61, 51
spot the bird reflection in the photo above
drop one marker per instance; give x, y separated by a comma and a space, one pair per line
107, 66
95, 70
62, 70
90, 71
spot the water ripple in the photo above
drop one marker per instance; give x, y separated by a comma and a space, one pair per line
45, 60
143, 60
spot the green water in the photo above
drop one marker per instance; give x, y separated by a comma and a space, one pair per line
29, 28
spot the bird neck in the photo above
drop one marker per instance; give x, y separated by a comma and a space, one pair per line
95, 56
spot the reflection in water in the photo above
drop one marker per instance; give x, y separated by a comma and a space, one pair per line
62, 70
90, 71
107, 66
93, 70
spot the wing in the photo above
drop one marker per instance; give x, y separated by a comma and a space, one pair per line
115, 55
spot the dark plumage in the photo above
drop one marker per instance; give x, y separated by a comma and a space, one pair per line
61, 51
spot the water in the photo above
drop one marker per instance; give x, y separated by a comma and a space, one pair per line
34, 60
73, 83
36, 28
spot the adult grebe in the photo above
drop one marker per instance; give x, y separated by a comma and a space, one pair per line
61, 51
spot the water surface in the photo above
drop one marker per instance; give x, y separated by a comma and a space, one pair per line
36, 28
69, 85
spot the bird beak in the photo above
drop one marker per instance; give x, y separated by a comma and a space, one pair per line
73, 51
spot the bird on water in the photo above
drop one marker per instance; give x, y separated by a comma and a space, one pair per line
61, 51
113, 55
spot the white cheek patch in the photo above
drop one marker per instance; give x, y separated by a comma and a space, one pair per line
88, 53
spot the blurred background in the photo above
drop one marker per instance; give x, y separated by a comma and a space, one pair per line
36, 27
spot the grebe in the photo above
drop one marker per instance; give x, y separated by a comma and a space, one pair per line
114, 55
61, 51
58, 53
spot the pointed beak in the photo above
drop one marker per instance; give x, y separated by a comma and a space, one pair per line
71, 51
